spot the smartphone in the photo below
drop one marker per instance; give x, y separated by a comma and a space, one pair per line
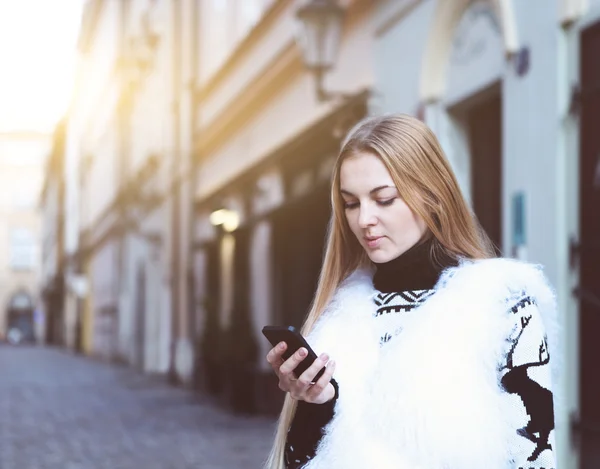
294, 340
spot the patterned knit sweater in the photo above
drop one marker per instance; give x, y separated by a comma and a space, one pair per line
407, 282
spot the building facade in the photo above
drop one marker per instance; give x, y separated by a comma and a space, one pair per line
125, 147
92, 135
22, 157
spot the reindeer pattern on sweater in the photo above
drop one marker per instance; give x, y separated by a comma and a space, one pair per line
523, 373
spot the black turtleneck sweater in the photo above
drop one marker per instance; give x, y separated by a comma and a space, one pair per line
402, 283
413, 270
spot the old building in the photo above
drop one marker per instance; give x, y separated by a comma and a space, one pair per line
22, 157
126, 151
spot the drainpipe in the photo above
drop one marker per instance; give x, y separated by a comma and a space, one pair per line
124, 115
175, 191
193, 164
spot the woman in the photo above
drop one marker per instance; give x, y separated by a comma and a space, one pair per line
441, 355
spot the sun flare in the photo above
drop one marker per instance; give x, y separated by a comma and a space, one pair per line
37, 53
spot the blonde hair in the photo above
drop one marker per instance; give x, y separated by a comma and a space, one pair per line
425, 181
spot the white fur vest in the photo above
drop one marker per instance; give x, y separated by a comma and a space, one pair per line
431, 398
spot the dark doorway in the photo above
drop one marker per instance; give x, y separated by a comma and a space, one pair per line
54, 298
140, 318
210, 344
20, 319
484, 120
299, 240
242, 344
589, 248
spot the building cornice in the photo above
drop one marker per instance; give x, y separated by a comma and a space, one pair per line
284, 66
251, 40
329, 124
257, 33
276, 73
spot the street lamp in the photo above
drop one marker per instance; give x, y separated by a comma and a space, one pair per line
319, 38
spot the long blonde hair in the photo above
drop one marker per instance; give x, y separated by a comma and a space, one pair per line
425, 181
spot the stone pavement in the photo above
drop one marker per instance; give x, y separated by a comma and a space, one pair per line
59, 411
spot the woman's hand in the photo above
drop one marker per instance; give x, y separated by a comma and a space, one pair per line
303, 388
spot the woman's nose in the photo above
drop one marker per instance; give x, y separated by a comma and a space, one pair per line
366, 217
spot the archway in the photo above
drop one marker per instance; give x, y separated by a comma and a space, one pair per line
461, 85
447, 16
20, 318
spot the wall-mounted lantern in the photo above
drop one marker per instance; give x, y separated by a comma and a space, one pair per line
319, 38
229, 220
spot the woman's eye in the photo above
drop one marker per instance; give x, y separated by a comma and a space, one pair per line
386, 202
350, 205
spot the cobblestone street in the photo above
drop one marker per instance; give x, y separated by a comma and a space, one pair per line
59, 411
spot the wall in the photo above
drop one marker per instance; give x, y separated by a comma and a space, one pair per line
531, 129
103, 291
94, 111
399, 50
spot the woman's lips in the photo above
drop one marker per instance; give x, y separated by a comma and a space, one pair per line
373, 241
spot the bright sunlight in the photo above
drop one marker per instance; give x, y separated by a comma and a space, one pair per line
37, 55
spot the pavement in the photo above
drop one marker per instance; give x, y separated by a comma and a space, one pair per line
62, 411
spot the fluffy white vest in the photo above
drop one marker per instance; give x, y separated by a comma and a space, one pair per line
430, 398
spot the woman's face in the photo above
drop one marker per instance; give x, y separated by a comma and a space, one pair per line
381, 221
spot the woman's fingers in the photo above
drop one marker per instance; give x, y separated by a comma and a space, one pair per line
274, 357
286, 370
306, 389
302, 388
308, 377
317, 392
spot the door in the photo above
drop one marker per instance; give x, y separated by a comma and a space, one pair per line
485, 141
209, 345
588, 291
299, 239
242, 343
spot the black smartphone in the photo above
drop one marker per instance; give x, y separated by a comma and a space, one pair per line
294, 340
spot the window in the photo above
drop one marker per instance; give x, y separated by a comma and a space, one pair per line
22, 249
